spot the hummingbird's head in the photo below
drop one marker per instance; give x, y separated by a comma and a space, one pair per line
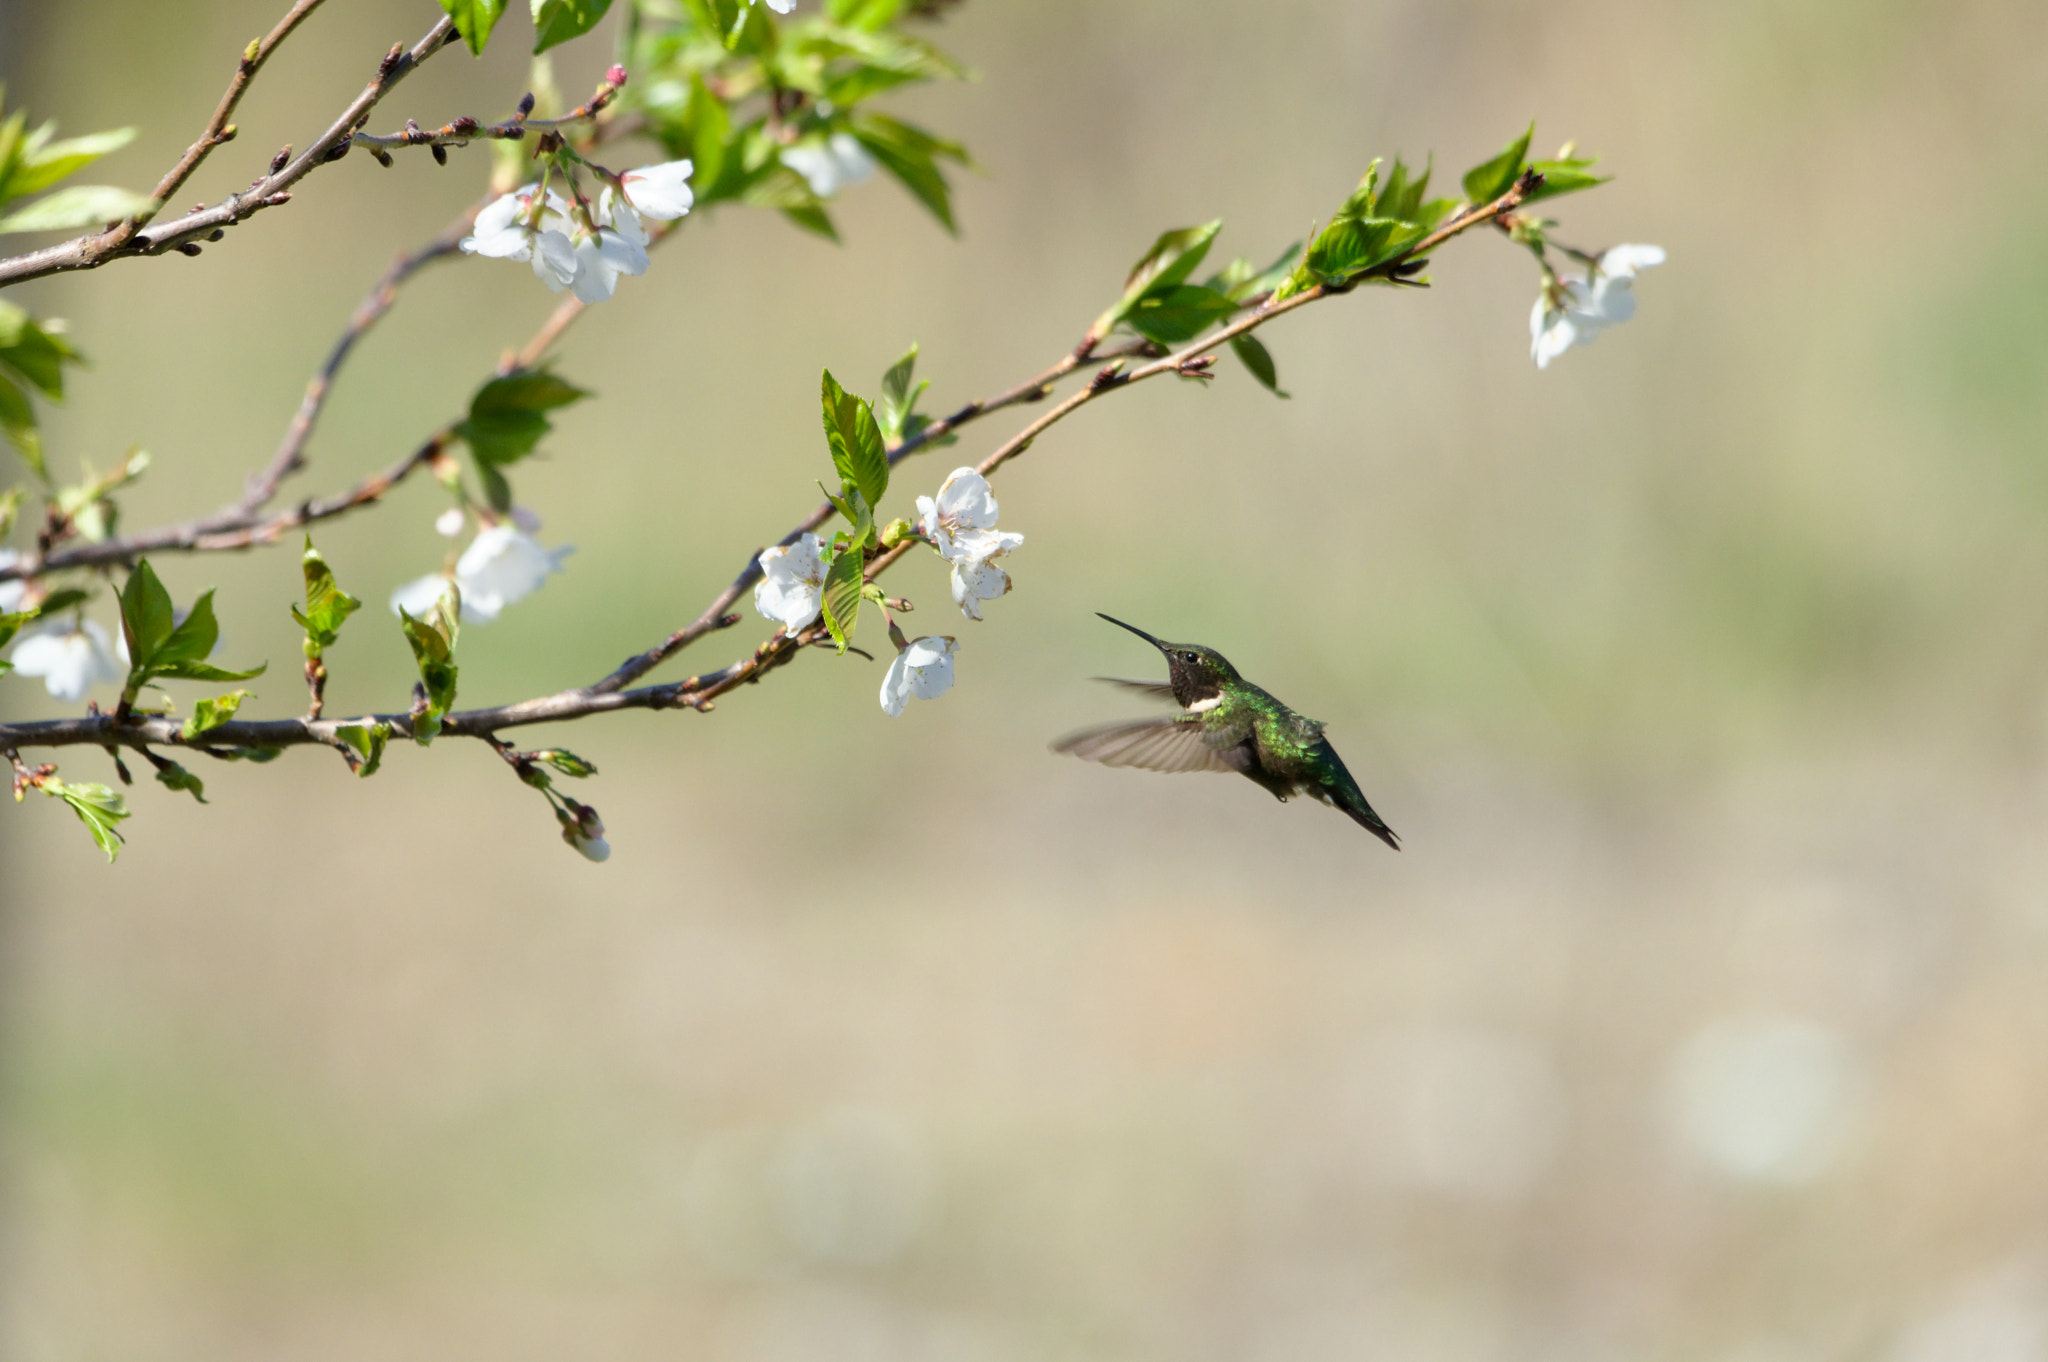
1197, 673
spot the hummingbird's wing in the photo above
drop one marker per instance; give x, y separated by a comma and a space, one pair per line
1156, 690
1171, 745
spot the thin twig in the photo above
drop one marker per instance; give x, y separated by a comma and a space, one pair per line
130, 238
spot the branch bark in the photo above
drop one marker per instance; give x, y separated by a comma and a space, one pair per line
144, 236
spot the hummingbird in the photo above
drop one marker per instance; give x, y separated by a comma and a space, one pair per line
1226, 724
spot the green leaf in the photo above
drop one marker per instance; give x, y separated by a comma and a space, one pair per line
912, 156
1252, 352
52, 161
1363, 199
1489, 180
97, 806
898, 398
842, 595
710, 127
34, 352
18, 420
433, 649
176, 777
12, 624
81, 205
568, 763
212, 712
1564, 177
557, 21
369, 741
474, 20
1172, 258
508, 415
146, 619
327, 605
855, 439
1179, 313
1350, 246
258, 754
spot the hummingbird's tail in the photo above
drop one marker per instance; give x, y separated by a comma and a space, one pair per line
1342, 792
1353, 803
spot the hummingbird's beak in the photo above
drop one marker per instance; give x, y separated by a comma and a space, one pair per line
1134, 629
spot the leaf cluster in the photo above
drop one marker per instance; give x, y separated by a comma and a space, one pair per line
163, 647
432, 640
730, 86
33, 161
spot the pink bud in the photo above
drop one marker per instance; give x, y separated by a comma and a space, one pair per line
616, 76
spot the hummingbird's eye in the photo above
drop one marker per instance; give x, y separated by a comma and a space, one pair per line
1189, 657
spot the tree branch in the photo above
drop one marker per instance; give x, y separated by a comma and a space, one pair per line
141, 236
701, 691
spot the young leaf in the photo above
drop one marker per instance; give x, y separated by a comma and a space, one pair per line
1254, 356
855, 439
80, 205
1564, 177
912, 156
508, 415
11, 624
51, 162
146, 618
842, 595
1179, 313
176, 777
1171, 260
557, 21
181, 655
369, 740
327, 605
37, 354
899, 399
474, 20
1489, 180
433, 649
1350, 246
97, 806
567, 762
710, 127
212, 712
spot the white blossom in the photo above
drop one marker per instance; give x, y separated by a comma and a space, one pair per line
976, 578
11, 592
779, 6
792, 586
924, 669
1576, 311
964, 504
502, 564
419, 595
505, 230
660, 191
449, 523
71, 660
961, 522
837, 163
617, 246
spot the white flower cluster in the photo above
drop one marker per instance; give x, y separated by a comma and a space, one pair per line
961, 524
503, 564
1576, 311
584, 249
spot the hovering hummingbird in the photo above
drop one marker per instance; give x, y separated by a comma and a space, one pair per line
1226, 724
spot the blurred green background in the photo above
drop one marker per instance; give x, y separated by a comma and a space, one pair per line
1706, 676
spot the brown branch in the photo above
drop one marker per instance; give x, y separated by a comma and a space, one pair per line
465, 130
218, 129
291, 451
140, 236
701, 691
